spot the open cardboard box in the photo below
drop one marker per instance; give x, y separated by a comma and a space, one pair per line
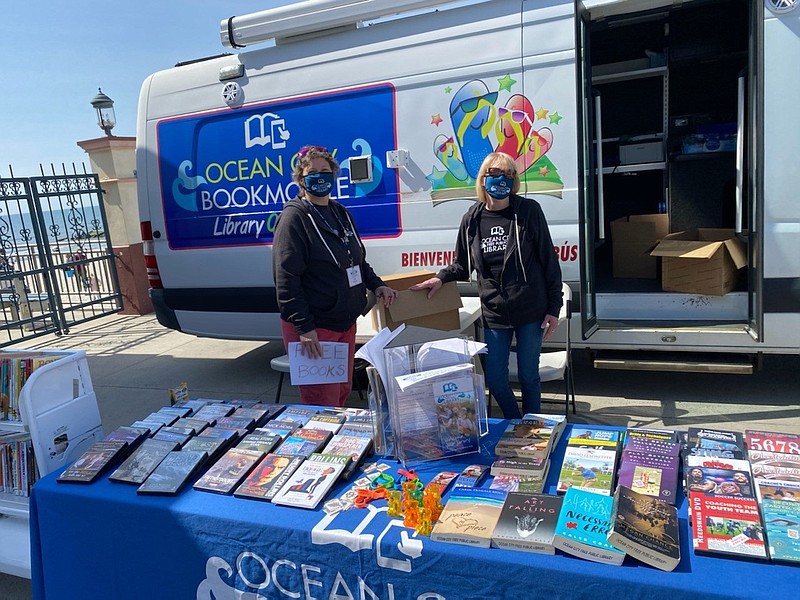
701, 261
632, 239
414, 308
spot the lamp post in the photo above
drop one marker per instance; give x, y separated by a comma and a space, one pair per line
105, 112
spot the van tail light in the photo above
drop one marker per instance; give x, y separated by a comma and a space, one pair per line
153, 276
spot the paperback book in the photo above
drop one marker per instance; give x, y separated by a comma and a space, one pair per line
266, 479
507, 483
780, 508
772, 441
522, 439
229, 471
552, 426
645, 470
726, 525
718, 476
528, 523
660, 435
173, 472
312, 480
534, 468
138, 466
588, 468
95, 460
646, 528
469, 517
583, 525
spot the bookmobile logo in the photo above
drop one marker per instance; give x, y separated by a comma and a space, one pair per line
265, 577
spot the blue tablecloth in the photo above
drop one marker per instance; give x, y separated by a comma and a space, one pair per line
102, 541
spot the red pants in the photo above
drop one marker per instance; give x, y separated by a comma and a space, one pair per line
325, 394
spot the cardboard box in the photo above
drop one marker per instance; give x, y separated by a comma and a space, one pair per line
632, 239
701, 261
414, 308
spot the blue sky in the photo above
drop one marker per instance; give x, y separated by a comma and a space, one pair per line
56, 54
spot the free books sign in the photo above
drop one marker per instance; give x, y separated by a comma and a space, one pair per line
392, 549
225, 176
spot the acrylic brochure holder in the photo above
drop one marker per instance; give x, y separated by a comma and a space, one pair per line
435, 396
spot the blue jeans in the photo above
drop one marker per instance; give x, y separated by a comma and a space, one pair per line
529, 346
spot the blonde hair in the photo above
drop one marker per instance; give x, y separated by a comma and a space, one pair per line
305, 156
496, 159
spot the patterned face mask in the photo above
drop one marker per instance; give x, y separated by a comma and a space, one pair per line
498, 187
318, 184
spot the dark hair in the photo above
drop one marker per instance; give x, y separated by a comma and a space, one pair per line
305, 156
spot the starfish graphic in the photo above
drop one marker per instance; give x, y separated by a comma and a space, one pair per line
506, 82
448, 90
542, 113
555, 118
436, 119
543, 171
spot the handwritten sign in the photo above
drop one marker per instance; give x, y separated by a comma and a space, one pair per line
331, 368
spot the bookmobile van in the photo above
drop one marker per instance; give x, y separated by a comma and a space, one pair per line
693, 104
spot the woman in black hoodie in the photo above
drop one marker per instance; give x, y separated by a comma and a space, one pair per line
320, 270
504, 238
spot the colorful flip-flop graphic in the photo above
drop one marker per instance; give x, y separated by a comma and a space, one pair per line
446, 151
516, 134
472, 114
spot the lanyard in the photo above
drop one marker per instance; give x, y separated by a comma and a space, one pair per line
345, 233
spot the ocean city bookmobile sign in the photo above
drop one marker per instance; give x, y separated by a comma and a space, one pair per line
265, 577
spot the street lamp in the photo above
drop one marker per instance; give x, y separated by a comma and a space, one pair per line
105, 112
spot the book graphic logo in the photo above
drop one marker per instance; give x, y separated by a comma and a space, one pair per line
449, 387
497, 230
264, 129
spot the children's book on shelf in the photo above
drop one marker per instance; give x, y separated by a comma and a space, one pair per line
173, 472
718, 476
646, 528
18, 470
469, 516
312, 480
357, 447
142, 461
268, 476
588, 468
262, 442
702, 441
583, 525
229, 471
97, 458
772, 441
528, 523
726, 525
780, 509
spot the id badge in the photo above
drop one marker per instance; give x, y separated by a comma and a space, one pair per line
354, 275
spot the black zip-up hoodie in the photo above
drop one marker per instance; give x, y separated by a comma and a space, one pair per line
530, 281
309, 263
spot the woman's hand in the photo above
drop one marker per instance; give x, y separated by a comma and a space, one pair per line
549, 325
387, 294
309, 344
433, 284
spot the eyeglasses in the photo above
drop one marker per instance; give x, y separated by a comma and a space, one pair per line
471, 104
443, 146
518, 116
498, 172
306, 149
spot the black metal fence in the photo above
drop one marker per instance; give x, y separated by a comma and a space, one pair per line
57, 265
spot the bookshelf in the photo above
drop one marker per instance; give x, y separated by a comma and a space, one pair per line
58, 408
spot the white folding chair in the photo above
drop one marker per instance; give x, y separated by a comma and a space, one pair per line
555, 365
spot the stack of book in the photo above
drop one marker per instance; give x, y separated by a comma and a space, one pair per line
523, 452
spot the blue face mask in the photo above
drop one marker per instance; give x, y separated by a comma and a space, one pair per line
498, 187
318, 184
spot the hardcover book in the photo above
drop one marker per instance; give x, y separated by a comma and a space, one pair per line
229, 471
142, 462
312, 480
650, 473
173, 472
355, 446
645, 528
266, 479
780, 509
528, 522
772, 441
583, 525
265, 443
96, 459
588, 468
469, 516
718, 476
727, 525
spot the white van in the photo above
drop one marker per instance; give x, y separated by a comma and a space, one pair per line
692, 103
